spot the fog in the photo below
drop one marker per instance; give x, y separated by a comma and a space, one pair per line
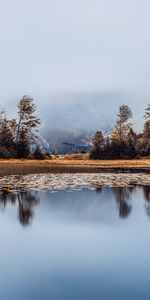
78, 59
87, 112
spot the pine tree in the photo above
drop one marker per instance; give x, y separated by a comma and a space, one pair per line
23, 145
146, 138
98, 140
146, 133
120, 133
97, 151
132, 137
7, 144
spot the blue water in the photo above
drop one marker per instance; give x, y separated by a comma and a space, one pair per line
75, 245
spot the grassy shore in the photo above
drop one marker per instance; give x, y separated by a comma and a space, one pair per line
71, 164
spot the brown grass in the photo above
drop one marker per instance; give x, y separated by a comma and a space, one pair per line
72, 164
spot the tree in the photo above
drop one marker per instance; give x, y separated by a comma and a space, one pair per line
23, 145
120, 144
26, 123
132, 137
27, 119
146, 133
123, 125
12, 123
2, 117
7, 144
98, 142
147, 113
146, 138
6, 137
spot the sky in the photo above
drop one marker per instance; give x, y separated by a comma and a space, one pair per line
63, 52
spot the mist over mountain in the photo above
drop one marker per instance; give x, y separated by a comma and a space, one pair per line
72, 117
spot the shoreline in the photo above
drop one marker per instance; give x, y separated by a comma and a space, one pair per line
71, 182
25, 167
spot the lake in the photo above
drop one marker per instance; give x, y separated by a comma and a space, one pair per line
75, 244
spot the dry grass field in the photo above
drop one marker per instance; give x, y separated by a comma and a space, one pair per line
71, 164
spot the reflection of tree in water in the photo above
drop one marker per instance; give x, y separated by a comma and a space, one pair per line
5, 197
26, 200
98, 188
146, 192
122, 196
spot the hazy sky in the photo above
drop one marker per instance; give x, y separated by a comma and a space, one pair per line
74, 46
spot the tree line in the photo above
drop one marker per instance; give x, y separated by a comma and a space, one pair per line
18, 135
123, 142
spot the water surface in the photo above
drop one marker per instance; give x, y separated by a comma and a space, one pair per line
84, 244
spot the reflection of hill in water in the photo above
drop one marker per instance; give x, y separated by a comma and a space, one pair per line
83, 205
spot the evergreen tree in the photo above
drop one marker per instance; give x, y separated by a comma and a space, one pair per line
7, 145
23, 145
98, 142
146, 138
120, 133
132, 137
6, 137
